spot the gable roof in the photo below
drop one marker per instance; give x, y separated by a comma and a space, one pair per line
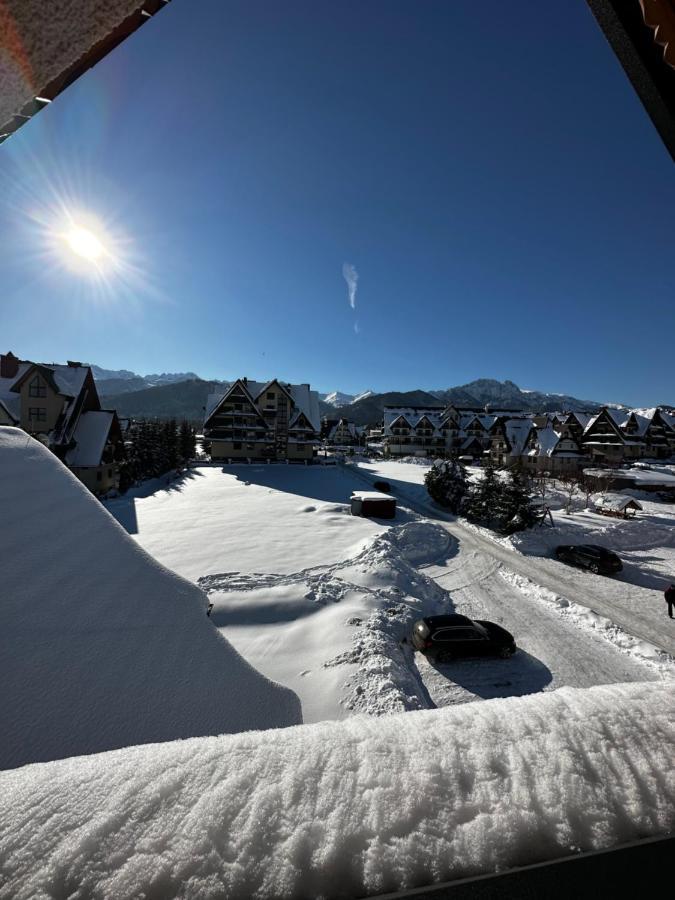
304, 399
615, 502
517, 433
90, 436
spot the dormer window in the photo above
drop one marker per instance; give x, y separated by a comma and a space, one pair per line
37, 388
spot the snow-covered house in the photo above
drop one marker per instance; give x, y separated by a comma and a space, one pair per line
414, 430
552, 449
59, 404
654, 428
343, 433
263, 420
604, 441
508, 438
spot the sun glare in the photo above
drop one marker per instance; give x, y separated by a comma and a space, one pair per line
85, 243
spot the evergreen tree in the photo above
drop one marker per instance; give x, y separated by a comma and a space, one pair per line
515, 507
484, 498
446, 483
187, 441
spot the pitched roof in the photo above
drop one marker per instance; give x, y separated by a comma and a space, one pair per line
413, 415
546, 441
305, 400
517, 432
90, 436
615, 502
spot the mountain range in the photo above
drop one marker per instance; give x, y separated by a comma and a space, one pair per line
183, 395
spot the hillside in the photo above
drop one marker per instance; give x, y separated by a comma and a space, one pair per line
508, 394
186, 399
369, 409
182, 400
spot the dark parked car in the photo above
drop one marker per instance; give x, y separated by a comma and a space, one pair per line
590, 556
453, 636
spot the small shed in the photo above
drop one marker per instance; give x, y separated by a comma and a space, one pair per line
618, 505
370, 503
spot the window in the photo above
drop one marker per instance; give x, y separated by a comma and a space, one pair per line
270, 395
110, 473
236, 446
457, 634
99, 475
37, 388
37, 413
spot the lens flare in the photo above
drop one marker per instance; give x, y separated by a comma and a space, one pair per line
85, 243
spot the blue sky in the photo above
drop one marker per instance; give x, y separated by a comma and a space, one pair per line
486, 168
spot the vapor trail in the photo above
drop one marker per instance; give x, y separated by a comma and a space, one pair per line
351, 276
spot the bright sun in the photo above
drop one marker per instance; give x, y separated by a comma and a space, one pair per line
85, 243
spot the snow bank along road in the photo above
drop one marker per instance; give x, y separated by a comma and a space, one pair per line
639, 611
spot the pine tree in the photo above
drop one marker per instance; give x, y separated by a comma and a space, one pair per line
515, 508
446, 483
484, 498
187, 442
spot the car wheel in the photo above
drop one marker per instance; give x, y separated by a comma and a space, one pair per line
507, 652
594, 568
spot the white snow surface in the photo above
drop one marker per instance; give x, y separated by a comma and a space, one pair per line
101, 646
90, 435
347, 809
247, 518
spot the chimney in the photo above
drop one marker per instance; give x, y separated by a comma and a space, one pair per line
72, 364
9, 365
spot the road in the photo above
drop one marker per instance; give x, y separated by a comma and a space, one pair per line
636, 609
553, 651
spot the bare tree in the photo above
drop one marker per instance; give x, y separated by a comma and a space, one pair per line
569, 482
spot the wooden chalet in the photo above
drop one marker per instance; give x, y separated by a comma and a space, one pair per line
255, 420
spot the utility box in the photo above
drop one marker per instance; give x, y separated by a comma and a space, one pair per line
369, 503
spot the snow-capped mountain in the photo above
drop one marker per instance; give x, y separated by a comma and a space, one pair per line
337, 398
122, 381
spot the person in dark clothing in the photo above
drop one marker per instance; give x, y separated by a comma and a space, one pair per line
669, 594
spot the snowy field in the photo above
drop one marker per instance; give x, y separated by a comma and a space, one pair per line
323, 602
267, 518
345, 809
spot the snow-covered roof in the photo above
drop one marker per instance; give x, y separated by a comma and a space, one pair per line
615, 502
90, 436
370, 495
68, 379
582, 418
517, 432
103, 646
342, 424
546, 441
618, 416
413, 415
305, 400
10, 399
354, 808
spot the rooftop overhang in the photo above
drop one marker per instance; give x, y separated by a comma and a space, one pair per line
642, 35
45, 46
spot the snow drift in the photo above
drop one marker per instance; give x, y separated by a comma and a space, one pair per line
342, 809
100, 646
